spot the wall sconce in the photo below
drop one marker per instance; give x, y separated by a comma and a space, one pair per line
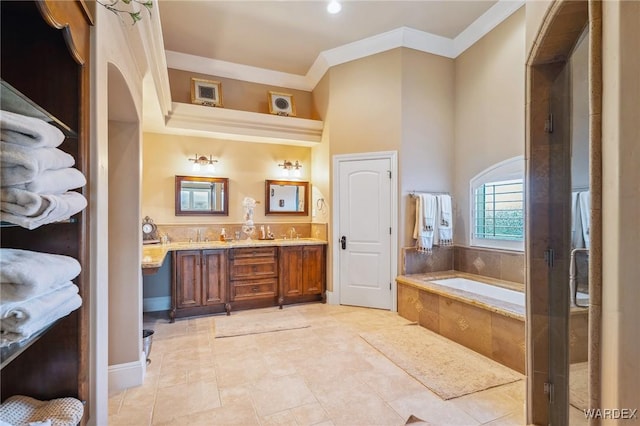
291, 168
202, 160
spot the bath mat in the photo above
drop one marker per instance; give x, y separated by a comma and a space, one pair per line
258, 322
448, 369
579, 385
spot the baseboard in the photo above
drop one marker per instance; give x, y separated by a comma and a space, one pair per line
153, 304
124, 376
332, 298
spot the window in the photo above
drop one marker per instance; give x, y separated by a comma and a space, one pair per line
497, 206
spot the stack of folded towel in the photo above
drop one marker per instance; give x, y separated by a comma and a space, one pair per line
37, 177
35, 291
434, 221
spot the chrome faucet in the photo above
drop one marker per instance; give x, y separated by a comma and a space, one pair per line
198, 236
292, 232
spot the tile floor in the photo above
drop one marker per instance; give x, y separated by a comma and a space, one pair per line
321, 375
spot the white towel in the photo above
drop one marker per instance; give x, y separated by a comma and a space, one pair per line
577, 238
22, 202
445, 220
36, 271
55, 181
24, 320
13, 295
29, 131
424, 228
584, 200
20, 164
56, 208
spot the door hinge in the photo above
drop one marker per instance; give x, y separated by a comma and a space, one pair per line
389, 286
389, 230
549, 391
549, 257
548, 124
389, 173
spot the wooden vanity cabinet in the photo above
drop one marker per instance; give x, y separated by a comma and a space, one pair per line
302, 274
200, 283
253, 277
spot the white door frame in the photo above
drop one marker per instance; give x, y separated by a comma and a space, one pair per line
334, 296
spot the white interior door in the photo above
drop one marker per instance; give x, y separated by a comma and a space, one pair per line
364, 232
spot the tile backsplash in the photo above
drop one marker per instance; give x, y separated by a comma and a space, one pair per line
211, 232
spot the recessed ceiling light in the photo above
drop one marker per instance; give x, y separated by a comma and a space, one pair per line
334, 7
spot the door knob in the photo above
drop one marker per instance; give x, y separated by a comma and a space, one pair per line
343, 242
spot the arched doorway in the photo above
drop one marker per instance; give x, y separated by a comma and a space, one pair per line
549, 211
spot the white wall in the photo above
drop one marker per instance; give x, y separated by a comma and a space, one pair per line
111, 51
489, 110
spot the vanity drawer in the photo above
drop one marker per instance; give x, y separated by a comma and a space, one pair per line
251, 268
241, 290
253, 252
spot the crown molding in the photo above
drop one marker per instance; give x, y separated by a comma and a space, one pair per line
399, 37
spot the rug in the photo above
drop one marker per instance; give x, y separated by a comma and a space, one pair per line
260, 322
579, 385
447, 368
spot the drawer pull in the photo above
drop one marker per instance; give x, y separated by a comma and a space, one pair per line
255, 289
255, 268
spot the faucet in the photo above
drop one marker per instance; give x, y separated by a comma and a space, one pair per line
292, 232
198, 236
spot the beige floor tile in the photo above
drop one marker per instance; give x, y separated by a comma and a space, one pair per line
432, 409
491, 404
322, 375
275, 394
310, 414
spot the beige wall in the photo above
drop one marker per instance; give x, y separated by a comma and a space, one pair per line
579, 63
427, 138
240, 95
489, 110
246, 164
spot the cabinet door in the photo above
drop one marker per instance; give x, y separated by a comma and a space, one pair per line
291, 267
214, 273
188, 281
313, 270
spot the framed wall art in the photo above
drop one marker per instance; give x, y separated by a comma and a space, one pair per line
206, 92
282, 104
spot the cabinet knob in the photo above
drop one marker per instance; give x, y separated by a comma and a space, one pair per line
255, 289
255, 268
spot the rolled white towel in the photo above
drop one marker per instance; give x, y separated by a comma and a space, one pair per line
55, 181
34, 270
20, 164
29, 131
60, 207
25, 319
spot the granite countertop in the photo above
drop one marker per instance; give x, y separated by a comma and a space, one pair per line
153, 254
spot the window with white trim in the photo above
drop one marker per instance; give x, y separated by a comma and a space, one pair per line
497, 206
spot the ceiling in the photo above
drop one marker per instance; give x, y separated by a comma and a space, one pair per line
286, 38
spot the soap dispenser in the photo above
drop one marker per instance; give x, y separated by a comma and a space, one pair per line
223, 235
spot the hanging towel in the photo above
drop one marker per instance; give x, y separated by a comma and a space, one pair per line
55, 181
584, 200
425, 222
55, 208
22, 321
32, 132
20, 164
445, 220
34, 271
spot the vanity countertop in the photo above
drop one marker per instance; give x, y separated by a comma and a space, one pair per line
153, 254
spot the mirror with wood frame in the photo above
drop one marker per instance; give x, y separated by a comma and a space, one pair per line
284, 197
201, 195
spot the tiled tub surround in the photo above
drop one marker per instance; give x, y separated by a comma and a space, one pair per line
492, 327
500, 264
